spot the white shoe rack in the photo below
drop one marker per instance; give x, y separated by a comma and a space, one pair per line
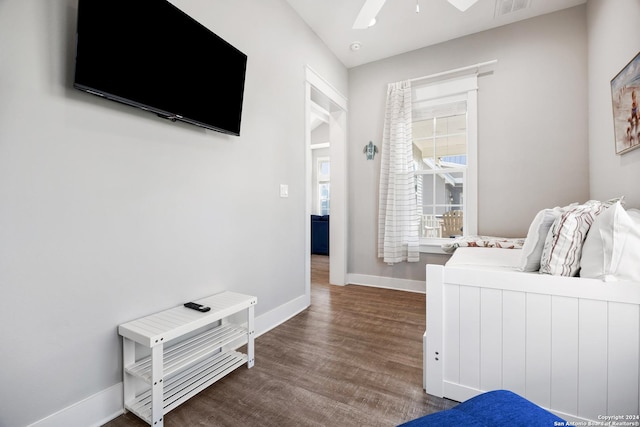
170, 356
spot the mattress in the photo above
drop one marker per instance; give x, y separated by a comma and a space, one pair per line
486, 258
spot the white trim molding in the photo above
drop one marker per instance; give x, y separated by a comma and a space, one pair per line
407, 285
271, 319
93, 411
326, 88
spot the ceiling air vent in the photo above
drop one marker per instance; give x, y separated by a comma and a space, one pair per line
504, 7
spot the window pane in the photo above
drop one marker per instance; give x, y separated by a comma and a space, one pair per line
454, 161
441, 201
324, 170
423, 129
442, 141
452, 223
324, 192
453, 145
451, 136
441, 155
453, 124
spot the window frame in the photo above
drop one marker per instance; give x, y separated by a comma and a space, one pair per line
467, 86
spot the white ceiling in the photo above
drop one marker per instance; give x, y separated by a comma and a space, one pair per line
400, 29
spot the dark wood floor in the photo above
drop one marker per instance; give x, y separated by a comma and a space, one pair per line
353, 358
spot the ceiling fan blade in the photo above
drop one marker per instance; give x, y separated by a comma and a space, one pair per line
463, 5
369, 11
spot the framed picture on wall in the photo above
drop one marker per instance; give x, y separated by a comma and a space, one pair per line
625, 95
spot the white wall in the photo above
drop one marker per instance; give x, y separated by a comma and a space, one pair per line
613, 41
108, 213
532, 144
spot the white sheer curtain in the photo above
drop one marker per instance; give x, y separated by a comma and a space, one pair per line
398, 220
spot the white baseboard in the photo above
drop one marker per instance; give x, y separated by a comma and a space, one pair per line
387, 283
106, 405
93, 411
269, 320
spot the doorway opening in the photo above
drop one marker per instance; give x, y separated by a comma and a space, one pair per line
326, 179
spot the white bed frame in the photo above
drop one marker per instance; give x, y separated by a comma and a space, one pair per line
571, 345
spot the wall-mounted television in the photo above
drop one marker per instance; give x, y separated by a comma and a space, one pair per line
151, 55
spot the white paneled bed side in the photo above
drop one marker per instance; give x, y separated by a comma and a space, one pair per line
571, 345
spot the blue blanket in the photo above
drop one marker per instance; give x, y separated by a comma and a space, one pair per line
494, 408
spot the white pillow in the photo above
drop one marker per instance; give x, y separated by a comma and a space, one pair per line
563, 247
536, 236
611, 250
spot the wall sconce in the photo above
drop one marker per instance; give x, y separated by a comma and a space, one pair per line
370, 150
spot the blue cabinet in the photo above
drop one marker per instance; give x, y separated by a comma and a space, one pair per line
320, 234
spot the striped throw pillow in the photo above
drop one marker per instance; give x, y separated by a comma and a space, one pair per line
563, 245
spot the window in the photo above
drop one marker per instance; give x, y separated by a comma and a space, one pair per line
324, 185
444, 129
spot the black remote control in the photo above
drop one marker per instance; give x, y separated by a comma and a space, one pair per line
198, 307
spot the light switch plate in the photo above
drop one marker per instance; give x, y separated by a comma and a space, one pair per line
284, 190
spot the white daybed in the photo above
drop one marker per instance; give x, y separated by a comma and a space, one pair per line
570, 345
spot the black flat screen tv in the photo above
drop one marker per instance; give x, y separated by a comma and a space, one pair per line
151, 55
